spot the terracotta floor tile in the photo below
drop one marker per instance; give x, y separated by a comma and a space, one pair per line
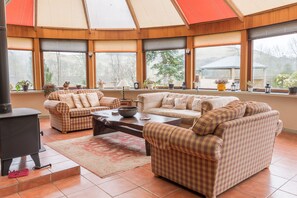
54, 159
92, 192
16, 195
98, 180
139, 176
34, 182
48, 153
73, 184
4, 181
160, 187
84, 171
137, 193
182, 193
253, 188
266, 178
290, 187
282, 194
117, 186
34, 174
45, 191
62, 166
282, 172
233, 193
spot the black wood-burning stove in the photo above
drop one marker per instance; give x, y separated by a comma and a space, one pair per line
19, 128
19, 136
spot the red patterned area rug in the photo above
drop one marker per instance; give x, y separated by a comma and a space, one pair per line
105, 154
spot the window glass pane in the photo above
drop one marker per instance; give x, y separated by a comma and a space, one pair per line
20, 66
64, 66
113, 67
166, 66
219, 62
275, 60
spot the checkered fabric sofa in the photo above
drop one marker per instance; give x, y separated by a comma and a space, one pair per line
153, 103
66, 119
224, 147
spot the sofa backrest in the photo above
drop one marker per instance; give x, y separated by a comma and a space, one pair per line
55, 95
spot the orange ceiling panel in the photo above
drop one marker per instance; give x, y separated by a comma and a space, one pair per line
198, 11
20, 12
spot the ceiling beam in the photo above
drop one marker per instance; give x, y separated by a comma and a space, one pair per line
133, 14
181, 13
235, 9
35, 15
87, 15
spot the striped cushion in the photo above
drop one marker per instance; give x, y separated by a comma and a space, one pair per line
209, 121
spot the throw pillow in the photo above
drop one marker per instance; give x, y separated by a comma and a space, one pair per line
196, 104
67, 98
84, 100
77, 101
180, 103
253, 107
93, 99
209, 121
167, 103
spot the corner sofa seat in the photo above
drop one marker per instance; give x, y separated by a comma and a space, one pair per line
66, 119
211, 164
152, 103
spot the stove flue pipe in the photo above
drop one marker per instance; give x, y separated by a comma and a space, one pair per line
5, 105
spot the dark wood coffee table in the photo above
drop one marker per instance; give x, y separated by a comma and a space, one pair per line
105, 122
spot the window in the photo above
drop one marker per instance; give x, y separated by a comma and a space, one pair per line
113, 67
165, 60
64, 60
218, 62
65, 66
275, 61
166, 66
20, 66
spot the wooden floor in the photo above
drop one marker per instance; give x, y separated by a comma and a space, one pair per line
280, 180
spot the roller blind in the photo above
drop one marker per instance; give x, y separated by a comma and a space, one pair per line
273, 30
217, 39
116, 46
164, 44
20, 43
63, 45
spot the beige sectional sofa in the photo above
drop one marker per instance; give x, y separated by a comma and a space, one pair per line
152, 103
70, 115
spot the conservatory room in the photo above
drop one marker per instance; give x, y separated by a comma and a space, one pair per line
159, 98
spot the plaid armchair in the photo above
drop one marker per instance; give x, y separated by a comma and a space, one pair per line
212, 163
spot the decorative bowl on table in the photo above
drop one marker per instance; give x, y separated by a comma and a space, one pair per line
127, 112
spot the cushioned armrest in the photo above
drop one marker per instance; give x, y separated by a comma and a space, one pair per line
158, 134
110, 102
166, 137
150, 100
56, 106
279, 127
207, 147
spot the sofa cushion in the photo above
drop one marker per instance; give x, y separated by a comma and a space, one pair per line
196, 104
55, 95
93, 99
84, 100
67, 98
180, 103
167, 103
253, 107
85, 111
186, 115
209, 121
77, 102
191, 98
84, 91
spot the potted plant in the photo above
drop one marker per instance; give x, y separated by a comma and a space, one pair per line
66, 85
101, 84
49, 88
291, 83
250, 86
149, 84
221, 84
24, 84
